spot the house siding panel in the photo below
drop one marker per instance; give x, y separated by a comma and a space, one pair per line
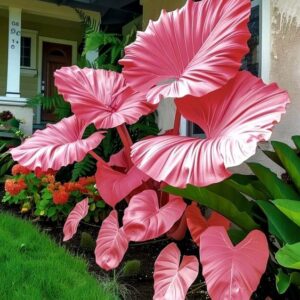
3, 50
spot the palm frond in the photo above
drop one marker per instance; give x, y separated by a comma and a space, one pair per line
90, 25
83, 168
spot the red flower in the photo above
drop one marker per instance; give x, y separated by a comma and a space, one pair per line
14, 187
72, 186
84, 181
40, 173
60, 197
18, 169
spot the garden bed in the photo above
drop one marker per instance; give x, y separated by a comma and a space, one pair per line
139, 286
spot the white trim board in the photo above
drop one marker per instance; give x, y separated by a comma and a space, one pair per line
265, 12
40, 62
32, 34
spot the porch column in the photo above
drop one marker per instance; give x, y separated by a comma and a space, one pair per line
14, 53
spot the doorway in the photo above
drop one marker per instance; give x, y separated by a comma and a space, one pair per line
54, 56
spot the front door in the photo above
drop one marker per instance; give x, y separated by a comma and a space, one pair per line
55, 56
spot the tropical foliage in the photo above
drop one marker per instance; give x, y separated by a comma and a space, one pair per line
192, 55
271, 204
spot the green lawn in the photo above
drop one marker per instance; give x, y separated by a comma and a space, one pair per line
33, 267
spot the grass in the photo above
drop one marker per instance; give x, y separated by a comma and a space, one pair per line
33, 267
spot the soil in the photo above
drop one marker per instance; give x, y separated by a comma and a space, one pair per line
139, 286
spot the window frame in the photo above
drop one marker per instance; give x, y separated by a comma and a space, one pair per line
32, 34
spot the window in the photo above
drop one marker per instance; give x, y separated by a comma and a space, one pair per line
252, 59
28, 50
25, 51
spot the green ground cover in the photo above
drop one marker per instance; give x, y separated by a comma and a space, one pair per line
33, 267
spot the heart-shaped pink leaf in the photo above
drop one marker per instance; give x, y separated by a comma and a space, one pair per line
118, 160
111, 244
232, 272
171, 280
144, 220
56, 146
79, 212
178, 230
101, 97
114, 186
198, 224
191, 51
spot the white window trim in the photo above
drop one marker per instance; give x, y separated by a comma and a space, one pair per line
32, 70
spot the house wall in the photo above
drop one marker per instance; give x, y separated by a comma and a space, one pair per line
285, 62
52, 28
285, 71
152, 8
3, 49
48, 20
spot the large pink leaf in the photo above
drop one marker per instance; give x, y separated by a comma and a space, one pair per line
112, 243
191, 51
100, 97
56, 146
171, 280
234, 118
114, 186
144, 220
232, 272
79, 212
197, 224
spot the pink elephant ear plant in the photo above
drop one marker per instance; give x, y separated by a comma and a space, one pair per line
192, 55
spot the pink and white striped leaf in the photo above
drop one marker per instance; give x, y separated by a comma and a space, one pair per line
191, 51
78, 213
114, 186
172, 279
111, 244
197, 223
232, 272
56, 146
143, 219
101, 97
234, 118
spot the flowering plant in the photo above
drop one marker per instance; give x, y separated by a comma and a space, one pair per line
7, 120
40, 193
192, 55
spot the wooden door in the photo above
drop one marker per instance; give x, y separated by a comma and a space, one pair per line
55, 56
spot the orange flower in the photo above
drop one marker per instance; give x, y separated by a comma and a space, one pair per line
14, 187
60, 197
39, 173
75, 186
87, 180
18, 169
48, 179
70, 186
51, 187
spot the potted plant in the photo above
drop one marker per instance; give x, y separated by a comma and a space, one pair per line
8, 120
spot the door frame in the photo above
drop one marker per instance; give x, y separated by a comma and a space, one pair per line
43, 39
